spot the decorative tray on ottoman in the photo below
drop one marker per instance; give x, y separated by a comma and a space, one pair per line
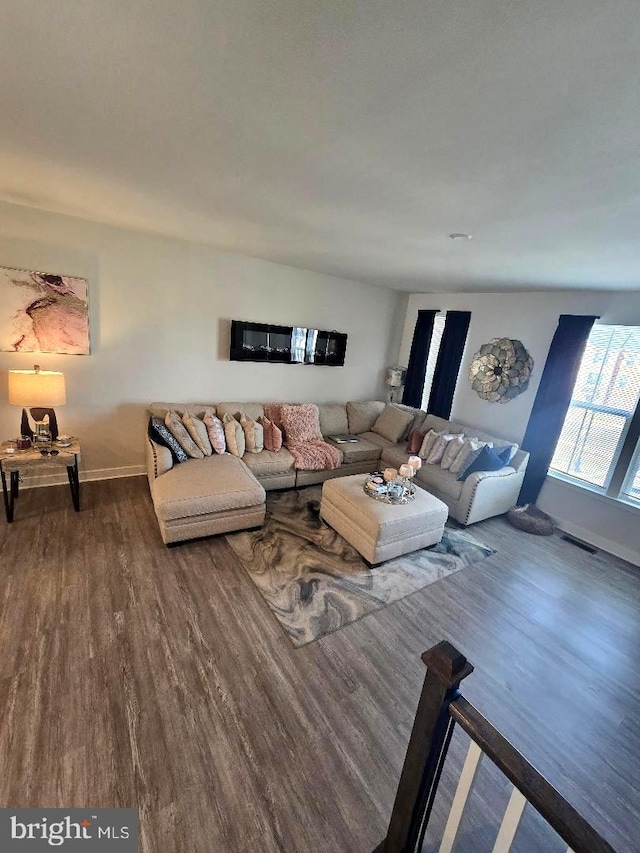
398, 491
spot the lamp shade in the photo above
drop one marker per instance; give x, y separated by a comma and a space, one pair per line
37, 388
395, 376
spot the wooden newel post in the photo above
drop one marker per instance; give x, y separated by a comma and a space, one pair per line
446, 667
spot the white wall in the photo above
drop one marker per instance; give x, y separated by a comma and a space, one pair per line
533, 317
160, 312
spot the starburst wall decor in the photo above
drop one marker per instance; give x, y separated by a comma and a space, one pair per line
500, 370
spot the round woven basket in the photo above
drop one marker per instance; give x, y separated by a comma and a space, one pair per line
531, 519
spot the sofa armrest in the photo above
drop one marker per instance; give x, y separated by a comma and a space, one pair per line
158, 459
520, 460
488, 493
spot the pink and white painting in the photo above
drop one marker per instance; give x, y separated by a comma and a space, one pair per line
43, 312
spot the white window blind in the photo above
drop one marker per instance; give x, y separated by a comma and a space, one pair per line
631, 487
434, 349
604, 400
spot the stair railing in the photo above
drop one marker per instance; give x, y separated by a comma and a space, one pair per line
440, 707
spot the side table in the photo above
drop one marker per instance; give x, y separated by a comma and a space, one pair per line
12, 463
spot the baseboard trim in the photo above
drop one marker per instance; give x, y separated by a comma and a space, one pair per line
599, 541
59, 479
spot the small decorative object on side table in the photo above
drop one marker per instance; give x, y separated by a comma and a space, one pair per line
66, 452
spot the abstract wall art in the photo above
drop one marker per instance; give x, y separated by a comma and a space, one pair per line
43, 312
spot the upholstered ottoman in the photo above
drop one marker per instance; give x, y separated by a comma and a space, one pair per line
377, 530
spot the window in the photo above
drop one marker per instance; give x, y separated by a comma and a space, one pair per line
631, 486
434, 349
598, 441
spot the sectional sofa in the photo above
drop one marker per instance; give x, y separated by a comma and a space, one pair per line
221, 493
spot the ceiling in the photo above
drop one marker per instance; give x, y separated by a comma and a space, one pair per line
340, 136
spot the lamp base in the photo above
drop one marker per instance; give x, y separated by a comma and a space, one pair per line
39, 414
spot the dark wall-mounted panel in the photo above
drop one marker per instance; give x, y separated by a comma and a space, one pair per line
286, 344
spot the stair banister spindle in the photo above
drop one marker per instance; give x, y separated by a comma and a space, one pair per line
463, 792
510, 822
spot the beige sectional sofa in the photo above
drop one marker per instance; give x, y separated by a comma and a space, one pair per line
483, 494
221, 493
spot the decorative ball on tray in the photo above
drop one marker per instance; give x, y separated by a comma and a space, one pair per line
500, 370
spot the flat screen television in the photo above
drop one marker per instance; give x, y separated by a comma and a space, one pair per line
286, 344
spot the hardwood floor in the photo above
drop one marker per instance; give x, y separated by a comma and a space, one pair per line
136, 675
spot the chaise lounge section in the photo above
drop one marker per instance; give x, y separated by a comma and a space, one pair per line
203, 497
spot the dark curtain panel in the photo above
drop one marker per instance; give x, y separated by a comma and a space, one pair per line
445, 377
552, 400
414, 382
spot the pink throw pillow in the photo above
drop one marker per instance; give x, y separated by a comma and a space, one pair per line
415, 441
301, 423
438, 449
273, 411
215, 430
272, 435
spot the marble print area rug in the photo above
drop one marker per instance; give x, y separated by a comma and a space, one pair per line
314, 581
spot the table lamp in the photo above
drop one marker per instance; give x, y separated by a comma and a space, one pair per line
37, 390
394, 379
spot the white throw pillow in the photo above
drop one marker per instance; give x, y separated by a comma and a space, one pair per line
427, 443
253, 434
468, 447
451, 451
438, 449
234, 435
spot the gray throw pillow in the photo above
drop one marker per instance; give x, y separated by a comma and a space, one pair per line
198, 432
392, 423
333, 418
175, 426
362, 416
418, 418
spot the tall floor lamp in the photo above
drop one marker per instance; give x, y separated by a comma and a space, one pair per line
37, 390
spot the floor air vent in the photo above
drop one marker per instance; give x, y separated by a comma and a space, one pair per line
579, 543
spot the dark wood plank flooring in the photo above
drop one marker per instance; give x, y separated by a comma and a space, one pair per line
136, 675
